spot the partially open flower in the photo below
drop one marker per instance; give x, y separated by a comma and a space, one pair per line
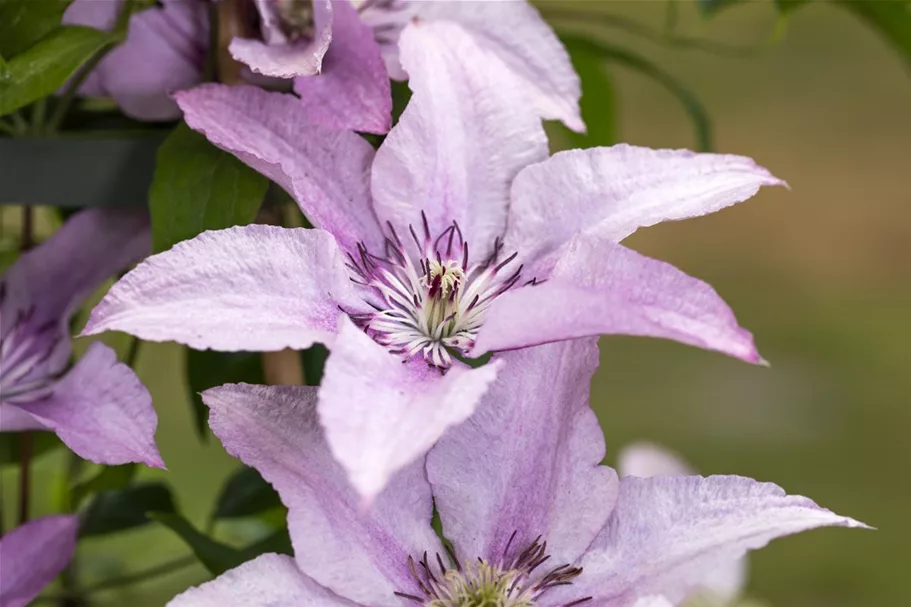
99, 408
533, 519
456, 238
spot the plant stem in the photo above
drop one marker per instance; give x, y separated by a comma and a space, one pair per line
126, 580
25, 439
19, 123
38, 111
132, 353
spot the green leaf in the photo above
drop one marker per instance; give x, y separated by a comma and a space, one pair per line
199, 187
207, 369
108, 479
216, 556
314, 361
46, 66
710, 7
117, 510
11, 445
891, 19
598, 103
25, 22
689, 101
245, 493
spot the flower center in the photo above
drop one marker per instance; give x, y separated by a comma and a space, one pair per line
429, 299
295, 18
508, 582
23, 348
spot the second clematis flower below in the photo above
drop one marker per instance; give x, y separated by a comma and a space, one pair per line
533, 519
431, 248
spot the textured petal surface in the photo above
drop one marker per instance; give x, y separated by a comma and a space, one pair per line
14, 419
165, 51
326, 171
359, 554
101, 411
288, 59
722, 585
514, 34
460, 142
352, 92
602, 288
256, 288
32, 555
611, 192
667, 533
528, 460
51, 281
381, 415
270, 580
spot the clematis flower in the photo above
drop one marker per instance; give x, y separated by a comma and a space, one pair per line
721, 586
353, 46
98, 408
431, 248
533, 519
164, 51
32, 555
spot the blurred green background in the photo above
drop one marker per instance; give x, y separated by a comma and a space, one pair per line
820, 274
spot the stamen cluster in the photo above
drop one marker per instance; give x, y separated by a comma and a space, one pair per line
429, 301
22, 349
506, 583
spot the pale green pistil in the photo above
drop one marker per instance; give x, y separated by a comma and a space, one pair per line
481, 585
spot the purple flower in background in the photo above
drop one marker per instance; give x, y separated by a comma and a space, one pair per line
533, 518
719, 587
433, 245
98, 408
354, 49
165, 51
32, 555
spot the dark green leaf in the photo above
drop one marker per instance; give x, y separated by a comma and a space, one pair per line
199, 187
46, 66
5, 74
401, 95
214, 555
891, 19
314, 361
108, 479
25, 22
598, 102
11, 445
207, 369
245, 494
127, 508
616, 54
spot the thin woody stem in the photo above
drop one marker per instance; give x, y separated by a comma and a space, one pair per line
26, 241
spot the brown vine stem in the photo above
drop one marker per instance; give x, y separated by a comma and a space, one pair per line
25, 439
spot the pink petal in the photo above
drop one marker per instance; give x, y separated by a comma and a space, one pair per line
58, 275
101, 411
32, 555
720, 586
515, 35
291, 59
381, 414
165, 51
602, 288
269, 580
611, 192
255, 288
460, 142
528, 460
326, 171
352, 92
667, 533
359, 554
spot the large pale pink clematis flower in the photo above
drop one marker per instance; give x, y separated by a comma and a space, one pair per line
430, 248
534, 520
99, 408
32, 555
